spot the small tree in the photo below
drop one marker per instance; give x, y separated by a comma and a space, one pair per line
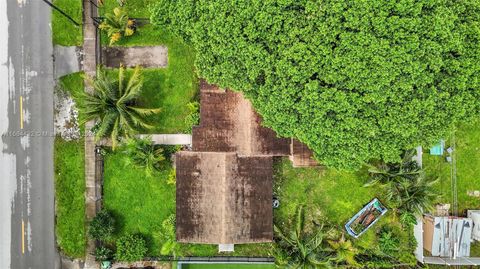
388, 241
170, 245
300, 248
143, 153
344, 252
130, 248
102, 227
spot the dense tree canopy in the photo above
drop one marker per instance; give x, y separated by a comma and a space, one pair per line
354, 80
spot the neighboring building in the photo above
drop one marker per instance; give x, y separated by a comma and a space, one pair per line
224, 185
447, 236
444, 240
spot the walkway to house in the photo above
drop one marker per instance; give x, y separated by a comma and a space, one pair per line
89, 66
170, 139
157, 139
148, 57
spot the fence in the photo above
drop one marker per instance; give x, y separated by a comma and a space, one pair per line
224, 260
99, 163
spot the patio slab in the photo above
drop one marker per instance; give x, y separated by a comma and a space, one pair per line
149, 56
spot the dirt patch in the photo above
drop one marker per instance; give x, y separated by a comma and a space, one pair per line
66, 116
152, 56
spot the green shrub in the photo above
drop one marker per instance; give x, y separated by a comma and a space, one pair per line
407, 188
130, 248
117, 25
144, 154
353, 80
172, 177
389, 242
193, 117
103, 253
170, 245
170, 150
102, 226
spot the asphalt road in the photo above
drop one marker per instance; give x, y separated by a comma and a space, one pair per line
27, 238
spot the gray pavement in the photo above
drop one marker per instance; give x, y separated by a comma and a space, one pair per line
26, 162
67, 60
149, 56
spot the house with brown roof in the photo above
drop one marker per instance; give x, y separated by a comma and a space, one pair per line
224, 184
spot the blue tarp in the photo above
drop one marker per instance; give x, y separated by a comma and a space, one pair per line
437, 150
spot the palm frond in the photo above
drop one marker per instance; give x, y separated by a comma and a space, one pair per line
134, 86
145, 112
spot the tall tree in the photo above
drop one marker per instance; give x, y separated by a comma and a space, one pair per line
354, 80
300, 248
407, 189
113, 104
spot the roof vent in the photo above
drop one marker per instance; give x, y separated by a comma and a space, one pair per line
225, 247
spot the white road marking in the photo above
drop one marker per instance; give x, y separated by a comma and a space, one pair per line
21, 112
23, 237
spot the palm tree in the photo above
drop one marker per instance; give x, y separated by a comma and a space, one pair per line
112, 104
301, 249
384, 173
407, 188
117, 24
344, 251
143, 153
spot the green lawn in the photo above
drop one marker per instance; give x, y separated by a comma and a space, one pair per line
159, 92
69, 196
171, 88
70, 184
135, 8
336, 195
467, 140
64, 32
161, 89
227, 266
72, 83
139, 202
333, 196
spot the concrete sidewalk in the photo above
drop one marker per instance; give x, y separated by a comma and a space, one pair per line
169, 139
67, 60
89, 67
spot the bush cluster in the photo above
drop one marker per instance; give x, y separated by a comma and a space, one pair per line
354, 80
129, 247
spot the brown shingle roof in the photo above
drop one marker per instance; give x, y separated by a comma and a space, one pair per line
223, 198
301, 155
224, 186
228, 123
